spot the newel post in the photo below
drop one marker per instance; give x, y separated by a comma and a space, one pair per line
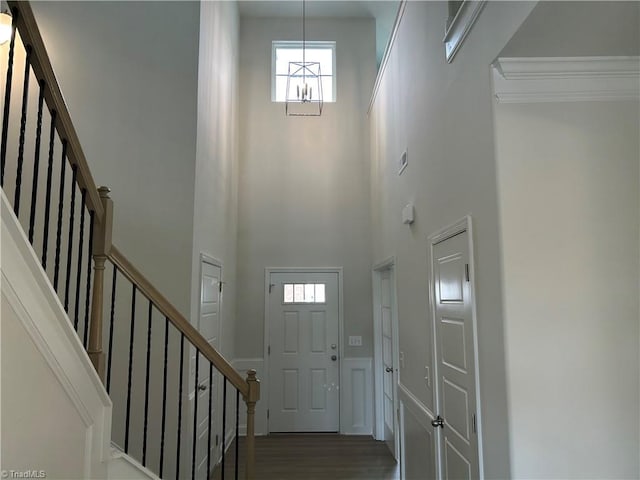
100, 249
251, 400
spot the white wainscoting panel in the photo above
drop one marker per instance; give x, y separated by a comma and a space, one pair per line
356, 399
51, 395
242, 365
418, 442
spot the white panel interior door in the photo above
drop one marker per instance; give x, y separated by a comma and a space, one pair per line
455, 359
389, 384
303, 352
209, 327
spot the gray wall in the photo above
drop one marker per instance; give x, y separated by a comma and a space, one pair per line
128, 71
441, 113
152, 89
216, 182
216, 168
304, 182
568, 193
568, 181
565, 29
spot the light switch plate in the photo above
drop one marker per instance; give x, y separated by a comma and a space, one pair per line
355, 341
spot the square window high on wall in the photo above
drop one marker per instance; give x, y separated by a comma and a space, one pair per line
285, 52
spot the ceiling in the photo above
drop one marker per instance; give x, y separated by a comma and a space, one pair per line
383, 11
318, 8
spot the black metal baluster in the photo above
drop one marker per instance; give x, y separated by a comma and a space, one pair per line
146, 389
60, 205
36, 163
113, 304
237, 430
180, 406
87, 298
79, 273
164, 394
70, 246
7, 98
224, 425
209, 415
47, 206
195, 417
131, 339
23, 128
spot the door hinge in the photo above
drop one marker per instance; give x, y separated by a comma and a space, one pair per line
269, 350
220, 286
217, 439
474, 423
267, 414
466, 271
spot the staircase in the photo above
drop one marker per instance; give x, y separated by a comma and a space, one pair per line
118, 348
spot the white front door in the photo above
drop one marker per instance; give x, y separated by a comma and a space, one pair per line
455, 359
389, 389
209, 327
303, 352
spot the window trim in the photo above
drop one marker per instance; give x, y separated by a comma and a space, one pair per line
293, 302
294, 44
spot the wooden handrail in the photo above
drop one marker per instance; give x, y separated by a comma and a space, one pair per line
102, 248
178, 320
43, 70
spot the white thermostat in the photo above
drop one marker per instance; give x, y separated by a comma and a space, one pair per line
408, 213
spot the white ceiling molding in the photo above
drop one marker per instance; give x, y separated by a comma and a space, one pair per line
566, 79
460, 26
387, 52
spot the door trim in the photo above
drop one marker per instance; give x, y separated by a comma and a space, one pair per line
377, 270
206, 258
192, 392
267, 275
464, 224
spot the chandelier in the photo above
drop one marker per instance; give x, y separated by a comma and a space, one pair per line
304, 85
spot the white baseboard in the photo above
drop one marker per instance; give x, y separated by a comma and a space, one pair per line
122, 466
356, 399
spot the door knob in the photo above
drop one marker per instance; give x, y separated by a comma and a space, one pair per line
438, 422
388, 369
334, 357
202, 387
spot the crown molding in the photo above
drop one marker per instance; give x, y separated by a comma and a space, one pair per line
387, 52
566, 79
460, 26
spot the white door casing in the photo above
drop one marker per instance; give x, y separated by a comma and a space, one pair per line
303, 351
209, 321
386, 351
455, 351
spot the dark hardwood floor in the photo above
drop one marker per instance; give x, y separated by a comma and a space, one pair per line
316, 457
